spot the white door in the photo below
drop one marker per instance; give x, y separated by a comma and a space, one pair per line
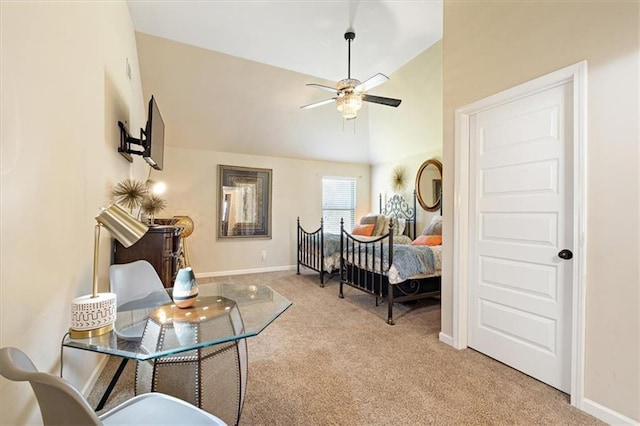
520, 187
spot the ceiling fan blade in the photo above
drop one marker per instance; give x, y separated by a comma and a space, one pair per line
369, 84
380, 100
319, 103
320, 86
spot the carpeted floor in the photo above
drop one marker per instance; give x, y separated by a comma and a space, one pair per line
331, 361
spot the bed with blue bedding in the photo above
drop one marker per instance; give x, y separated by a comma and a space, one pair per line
395, 272
320, 251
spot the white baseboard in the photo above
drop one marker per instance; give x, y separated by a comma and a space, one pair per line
91, 382
605, 414
445, 338
599, 411
245, 271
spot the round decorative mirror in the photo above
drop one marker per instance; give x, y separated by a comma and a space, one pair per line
429, 185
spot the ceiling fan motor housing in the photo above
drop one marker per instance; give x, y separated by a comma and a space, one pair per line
347, 85
351, 93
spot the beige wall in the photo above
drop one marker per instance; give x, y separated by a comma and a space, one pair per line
199, 127
213, 101
63, 91
415, 126
210, 102
191, 178
492, 46
410, 134
381, 183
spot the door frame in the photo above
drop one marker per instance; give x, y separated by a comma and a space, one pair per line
576, 75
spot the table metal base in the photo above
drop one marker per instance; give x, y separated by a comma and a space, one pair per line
112, 384
214, 377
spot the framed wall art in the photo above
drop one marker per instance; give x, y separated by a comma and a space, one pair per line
244, 202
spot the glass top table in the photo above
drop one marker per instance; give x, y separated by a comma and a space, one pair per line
258, 306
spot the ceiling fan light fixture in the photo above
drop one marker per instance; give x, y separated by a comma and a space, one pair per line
349, 105
350, 93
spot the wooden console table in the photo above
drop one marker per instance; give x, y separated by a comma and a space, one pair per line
160, 246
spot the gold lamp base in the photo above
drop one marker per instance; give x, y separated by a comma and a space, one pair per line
87, 334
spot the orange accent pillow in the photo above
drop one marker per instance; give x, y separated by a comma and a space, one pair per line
364, 230
427, 240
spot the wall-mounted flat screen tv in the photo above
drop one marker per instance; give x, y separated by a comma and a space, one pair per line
151, 139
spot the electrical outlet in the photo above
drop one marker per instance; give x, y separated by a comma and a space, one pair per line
264, 255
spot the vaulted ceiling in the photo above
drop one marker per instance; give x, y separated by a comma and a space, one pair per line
253, 107
306, 36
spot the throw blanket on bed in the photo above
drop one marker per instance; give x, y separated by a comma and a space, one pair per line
408, 260
411, 260
331, 244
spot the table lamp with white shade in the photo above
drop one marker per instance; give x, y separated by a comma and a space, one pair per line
94, 314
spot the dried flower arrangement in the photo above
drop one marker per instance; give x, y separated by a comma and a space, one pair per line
152, 205
134, 194
129, 193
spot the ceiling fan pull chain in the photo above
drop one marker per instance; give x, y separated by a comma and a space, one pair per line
345, 122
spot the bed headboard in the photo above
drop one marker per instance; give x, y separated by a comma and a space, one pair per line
398, 207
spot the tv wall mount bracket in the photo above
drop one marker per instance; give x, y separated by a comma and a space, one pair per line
126, 140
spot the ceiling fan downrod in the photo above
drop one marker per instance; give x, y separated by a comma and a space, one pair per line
349, 94
349, 36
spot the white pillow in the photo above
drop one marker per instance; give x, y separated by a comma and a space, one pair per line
398, 225
435, 227
376, 219
383, 225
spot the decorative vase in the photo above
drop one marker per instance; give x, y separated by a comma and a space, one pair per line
185, 288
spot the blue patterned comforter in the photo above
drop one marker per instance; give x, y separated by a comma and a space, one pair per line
408, 260
331, 244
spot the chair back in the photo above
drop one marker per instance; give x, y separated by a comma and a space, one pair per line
137, 286
134, 281
60, 403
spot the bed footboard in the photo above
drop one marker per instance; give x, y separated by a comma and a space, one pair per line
310, 252
365, 265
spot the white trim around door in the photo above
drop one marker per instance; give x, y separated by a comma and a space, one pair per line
576, 75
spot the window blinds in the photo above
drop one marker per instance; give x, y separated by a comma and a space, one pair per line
338, 202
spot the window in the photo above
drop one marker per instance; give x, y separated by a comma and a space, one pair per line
338, 202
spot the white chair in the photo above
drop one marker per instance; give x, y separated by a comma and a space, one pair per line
60, 403
213, 377
136, 285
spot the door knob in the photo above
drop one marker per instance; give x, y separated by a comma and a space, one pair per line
565, 254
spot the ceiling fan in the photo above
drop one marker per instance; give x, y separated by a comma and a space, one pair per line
350, 93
